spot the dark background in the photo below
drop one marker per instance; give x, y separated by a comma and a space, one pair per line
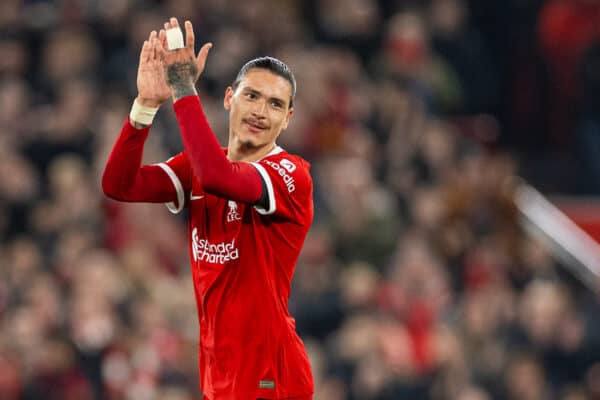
416, 281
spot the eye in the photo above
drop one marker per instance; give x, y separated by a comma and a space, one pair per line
277, 104
251, 96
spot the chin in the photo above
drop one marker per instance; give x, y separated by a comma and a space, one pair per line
249, 144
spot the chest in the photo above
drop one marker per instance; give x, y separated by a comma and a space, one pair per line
216, 215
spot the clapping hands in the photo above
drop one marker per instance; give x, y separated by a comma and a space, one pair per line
165, 72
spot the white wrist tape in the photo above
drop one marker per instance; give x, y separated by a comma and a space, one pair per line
142, 114
174, 39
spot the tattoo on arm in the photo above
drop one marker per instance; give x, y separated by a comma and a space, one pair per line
181, 77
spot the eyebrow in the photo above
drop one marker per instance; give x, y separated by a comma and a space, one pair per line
258, 93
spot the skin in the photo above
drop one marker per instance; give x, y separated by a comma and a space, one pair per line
152, 85
259, 107
259, 111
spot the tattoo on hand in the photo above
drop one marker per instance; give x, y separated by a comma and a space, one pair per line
181, 77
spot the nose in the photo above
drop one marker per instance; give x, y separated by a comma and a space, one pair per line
260, 109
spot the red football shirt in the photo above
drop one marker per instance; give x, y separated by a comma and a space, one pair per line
243, 259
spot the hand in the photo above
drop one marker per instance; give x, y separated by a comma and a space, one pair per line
151, 78
183, 67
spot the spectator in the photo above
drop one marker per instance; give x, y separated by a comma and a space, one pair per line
416, 281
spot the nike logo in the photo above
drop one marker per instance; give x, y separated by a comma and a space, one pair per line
192, 197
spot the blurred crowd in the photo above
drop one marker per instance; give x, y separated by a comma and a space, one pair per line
416, 281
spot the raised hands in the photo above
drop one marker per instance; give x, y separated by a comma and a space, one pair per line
163, 73
183, 67
152, 85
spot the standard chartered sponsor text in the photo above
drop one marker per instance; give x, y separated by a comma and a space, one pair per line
213, 253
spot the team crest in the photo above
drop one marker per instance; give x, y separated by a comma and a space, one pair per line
233, 214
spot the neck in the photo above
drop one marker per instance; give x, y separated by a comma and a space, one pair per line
241, 152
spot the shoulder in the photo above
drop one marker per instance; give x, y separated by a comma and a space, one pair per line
289, 162
285, 164
285, 169
179, 158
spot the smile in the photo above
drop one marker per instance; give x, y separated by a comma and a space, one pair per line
255, 128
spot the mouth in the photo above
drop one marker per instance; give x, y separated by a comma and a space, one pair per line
253, 126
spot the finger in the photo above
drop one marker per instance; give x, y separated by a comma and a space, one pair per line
145, 51
174, 22
202, 55
162, 37
189, 35
154, 49
151, 40
167, 26
161, 50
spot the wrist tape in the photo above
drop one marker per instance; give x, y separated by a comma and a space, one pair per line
142, 114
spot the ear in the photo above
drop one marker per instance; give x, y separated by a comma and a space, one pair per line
288, 117
227, 99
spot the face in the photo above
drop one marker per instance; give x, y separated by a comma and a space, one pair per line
259, 109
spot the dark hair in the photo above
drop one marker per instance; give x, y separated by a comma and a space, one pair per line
270, 64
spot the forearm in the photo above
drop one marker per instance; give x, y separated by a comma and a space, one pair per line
235, 181
125, 178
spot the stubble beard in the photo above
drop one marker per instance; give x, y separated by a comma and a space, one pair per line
249, 145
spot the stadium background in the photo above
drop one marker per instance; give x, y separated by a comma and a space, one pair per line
417, 280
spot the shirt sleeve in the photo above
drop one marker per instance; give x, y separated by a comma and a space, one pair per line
289, 187
233, 180
126, 179
177, 168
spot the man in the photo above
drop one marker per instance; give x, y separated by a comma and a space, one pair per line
250, 208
